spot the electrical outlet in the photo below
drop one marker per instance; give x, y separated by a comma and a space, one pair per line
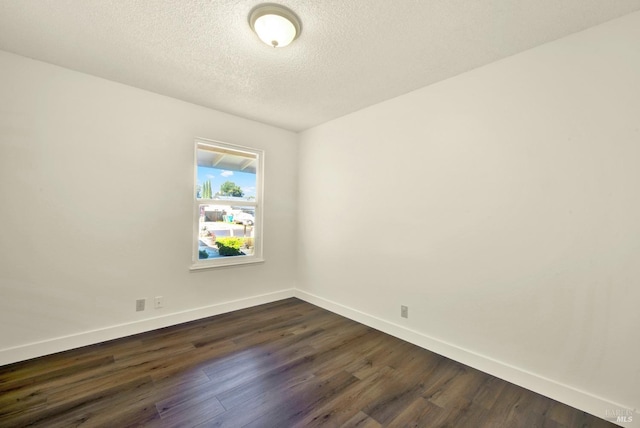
158, 302
404, 311
140, 305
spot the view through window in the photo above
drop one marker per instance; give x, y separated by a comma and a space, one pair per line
228, 193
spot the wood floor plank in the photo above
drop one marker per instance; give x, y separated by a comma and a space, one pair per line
460, 390
268, 381
39, 373
419, 413
283, 364
74, 408
302, 399
246, 366
392, 400
361, 420
342, 408
191, 413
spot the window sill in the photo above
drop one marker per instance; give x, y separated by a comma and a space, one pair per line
220, 263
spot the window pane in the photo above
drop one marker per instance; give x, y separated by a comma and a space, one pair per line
225, 231
227, 205
225, 174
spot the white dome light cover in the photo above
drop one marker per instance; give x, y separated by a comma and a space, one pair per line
275, 25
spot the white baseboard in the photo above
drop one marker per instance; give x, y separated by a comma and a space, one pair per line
573, 397
65, 343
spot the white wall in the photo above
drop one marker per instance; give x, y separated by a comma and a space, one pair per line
502, 207
96, 184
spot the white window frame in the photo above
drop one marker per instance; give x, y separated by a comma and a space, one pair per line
256, 257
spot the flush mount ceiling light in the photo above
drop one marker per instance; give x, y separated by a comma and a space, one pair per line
276, 25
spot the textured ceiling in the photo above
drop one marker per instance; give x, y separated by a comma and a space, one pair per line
351, 53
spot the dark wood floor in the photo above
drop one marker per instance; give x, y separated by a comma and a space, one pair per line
285, 364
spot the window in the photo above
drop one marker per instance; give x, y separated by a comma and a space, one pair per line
227, 205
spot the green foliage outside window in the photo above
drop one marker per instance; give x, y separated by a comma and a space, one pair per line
206, 190
230, 246
229, 188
